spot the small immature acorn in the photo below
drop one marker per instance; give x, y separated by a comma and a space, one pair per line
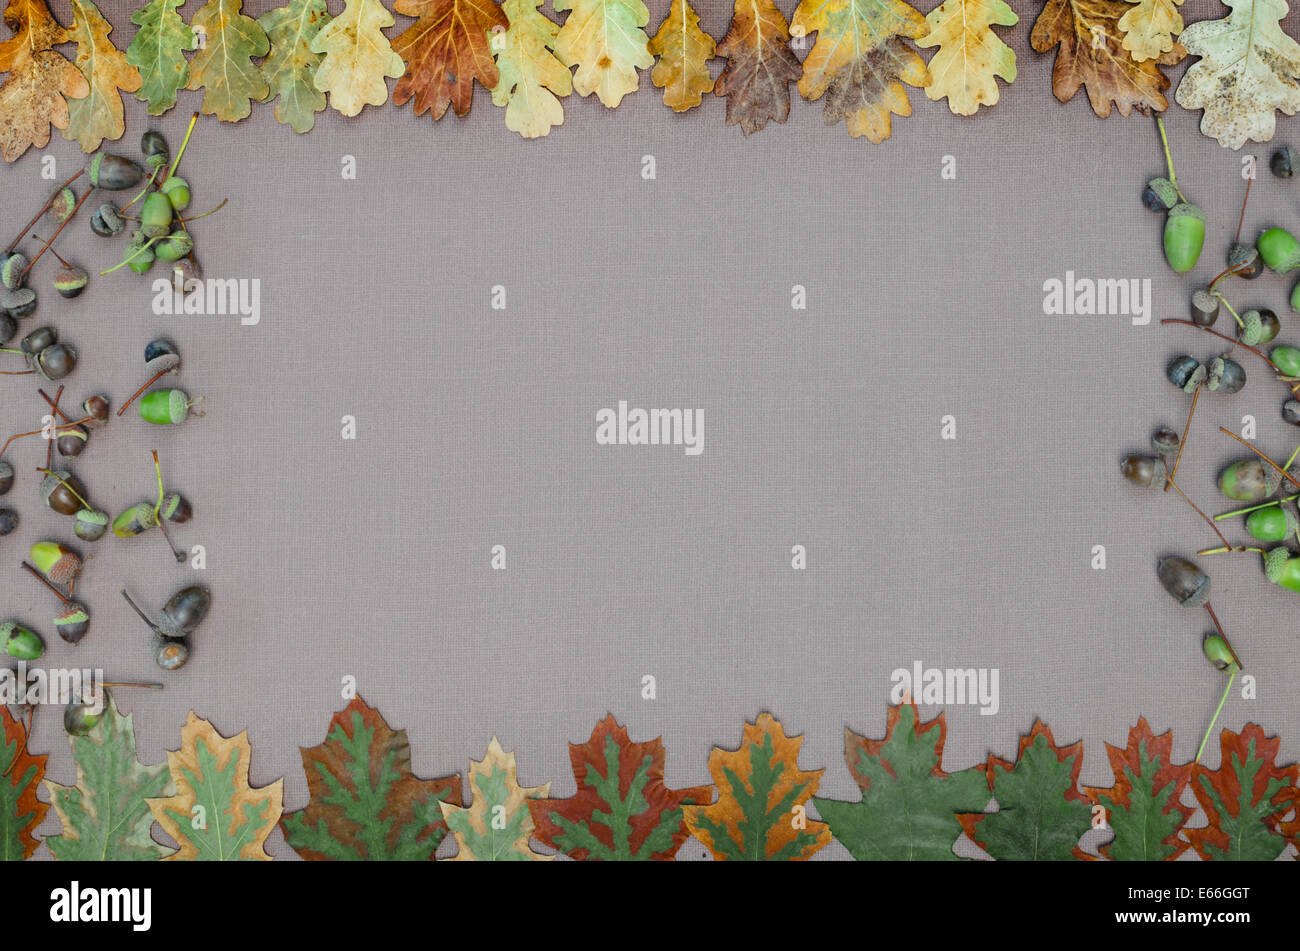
1282, 164
90, 524
1245, 257
1279, 249
156, 216
70, 280
62, 205
1282, 569
6, 476
21, 643
177, 191
1274, 524
1185, 582
60, 492
8, 521
1165, 441
11, 270
1205, 308
60, 565
1160, 194
154, 147
136, 520
114, 173
171, 653
165, 407
72, 622
38, 340
1225, 375
96, 407
56, 362
107, 220
185, 274
174, 247
176, 508
140, 256
1186, 373
1144, 471
1258, 326
1218, 653
80, 716
1286, 359
1184, 236
72, 439
1295, 298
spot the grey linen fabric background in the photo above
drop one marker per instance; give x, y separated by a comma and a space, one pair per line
329, 558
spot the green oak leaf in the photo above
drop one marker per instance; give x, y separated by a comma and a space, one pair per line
909, 805
158, 51
1143, 808
223, 67
106, 814
1244, 799
290, 68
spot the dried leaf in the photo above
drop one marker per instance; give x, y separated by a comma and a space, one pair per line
357, 57
1248, 68
1041, 813
622, 810
289, 70
1149, 28
684, 51
605, 40
970, 54
860, 61
158, 51
1245, 799
497, 825
909, 805
35, 94
215, 815
445, 50
530, 75
20, 776
1092, 54
223, 67
366, 804
106, 815
98, 116
759, 815
1143, 807
760, 66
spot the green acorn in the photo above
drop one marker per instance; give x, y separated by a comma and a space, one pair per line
20, 642
165, 407
139, 254
1286, 359
61, 565
114, 172
156, 216
80, 716
1279, 249
1273, 524
1249, 481
1184, 236
137, 519
1219, 653
177, 191
1281, 569
1295, 298
174, 247
90, 524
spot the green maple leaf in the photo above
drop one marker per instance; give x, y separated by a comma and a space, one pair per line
1143, 807
158, 51
223, 67
1244, 798
290, 68
1041, 813
106, 814
622, 810
909, 804
365, 802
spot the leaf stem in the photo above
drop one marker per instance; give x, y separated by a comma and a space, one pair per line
1169, 159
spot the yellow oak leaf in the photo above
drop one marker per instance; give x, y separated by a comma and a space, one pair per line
684, 51
357, 57
762, 792
98, 116
498, 825
35, 94
970, 55
604, 39
1149, 28
216, 815
531, 76
860, 61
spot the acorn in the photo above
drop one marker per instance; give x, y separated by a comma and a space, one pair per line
20, 642
164, 407
1144, 471
154, 147
38, 340
1165, 441
1282, 163
177, 191
72, 622
140, 256
61, 492
106, 221
11, 270
70, 280
56, 362
184, 611
136, 520
1291, 412
114, 173
62, 205
176, 508
156, 216
1225, 375
1160, 194
1186, 373
1279, 249
90, 524
171, 653
185, 274
174, 247
1205, 308
8, 521
1184, 236
6, 477
72, 440
1218, 653
8, 326
1286, 359
1186, 583
1249, 481
96, 407
61, 565
79, 716
1245, 256
18, 302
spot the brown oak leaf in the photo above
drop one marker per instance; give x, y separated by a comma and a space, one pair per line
760, 66
445, 50
35, 94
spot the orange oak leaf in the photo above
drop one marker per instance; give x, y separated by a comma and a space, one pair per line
760, 66
20, 777
445, 50
1143, 806
1245, 799
1092, 54
35, 94
684, 51
1041, 813
622, 810
762, 792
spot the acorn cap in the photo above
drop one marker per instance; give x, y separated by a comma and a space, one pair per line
70, 280
17, 302
62, 204
1275, 563
11, 270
